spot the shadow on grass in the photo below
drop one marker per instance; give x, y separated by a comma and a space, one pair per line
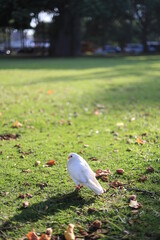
44, 208
72, 63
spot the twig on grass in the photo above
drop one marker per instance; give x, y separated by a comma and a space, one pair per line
143, 191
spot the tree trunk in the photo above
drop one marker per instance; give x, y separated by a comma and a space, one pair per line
144, 39
66, 40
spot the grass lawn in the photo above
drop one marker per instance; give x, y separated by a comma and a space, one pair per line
96, 107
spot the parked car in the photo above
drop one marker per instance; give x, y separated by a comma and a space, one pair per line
134, 48
2, 52
112, 49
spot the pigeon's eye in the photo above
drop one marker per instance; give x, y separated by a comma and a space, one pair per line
71, 156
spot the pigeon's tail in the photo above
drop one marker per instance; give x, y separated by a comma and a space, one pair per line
95, 187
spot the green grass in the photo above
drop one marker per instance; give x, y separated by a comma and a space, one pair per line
128, 88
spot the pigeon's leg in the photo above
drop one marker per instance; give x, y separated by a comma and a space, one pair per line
79, 186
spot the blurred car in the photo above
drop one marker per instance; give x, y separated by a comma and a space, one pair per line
134, 48
2, 52
107, 49
112, 49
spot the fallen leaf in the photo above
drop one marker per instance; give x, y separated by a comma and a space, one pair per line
61, 122
17, 145
22, 196
116, 184
37, 163
45, 237
69, 233
25, 204
140, 141
17, 124
134, 204
115, 134
142, 178
69, 122
83, 232
129, 141
9, 136
104, 178
86, 145
91, 210
132, 119
120, 124
132, 197
51, 163
42, 185
116, 151
96, 112
100, 173
144, 134
32, 236
120, 171
49, 231
134, 211
50, 92
28, 195
27, 170
95, 225
150, 169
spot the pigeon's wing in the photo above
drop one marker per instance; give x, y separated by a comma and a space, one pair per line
92, 182
77, 173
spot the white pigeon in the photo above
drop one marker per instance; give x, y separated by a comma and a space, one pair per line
82, 174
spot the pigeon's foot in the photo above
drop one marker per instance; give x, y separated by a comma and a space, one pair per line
104, 190
78, 187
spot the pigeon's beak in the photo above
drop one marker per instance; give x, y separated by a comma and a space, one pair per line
68, 158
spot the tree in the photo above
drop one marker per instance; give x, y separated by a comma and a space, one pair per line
146, 15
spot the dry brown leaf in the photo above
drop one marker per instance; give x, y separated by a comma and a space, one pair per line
28, 195
142, 178
116, 184
86, 145
51, 163
150, 169
69, 233
50, 92
140, 141
21, 196
45, 237
104, 178
97, 224
37, 163
100, 172
25, 204
83, 232
62, 122
134, 204
32, 236
120, 171
42, 185
132, 197
17, 124
96, 112
49, 231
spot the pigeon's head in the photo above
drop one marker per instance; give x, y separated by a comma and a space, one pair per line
72, 156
